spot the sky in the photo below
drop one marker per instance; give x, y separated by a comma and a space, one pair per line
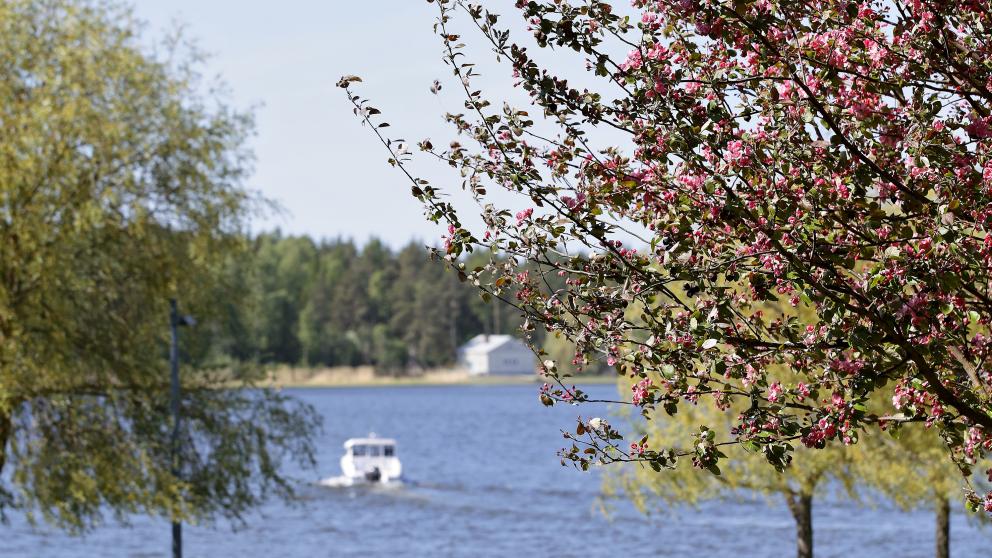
313, 158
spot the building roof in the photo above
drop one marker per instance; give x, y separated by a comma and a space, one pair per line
488, 343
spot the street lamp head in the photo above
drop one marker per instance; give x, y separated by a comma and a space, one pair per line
187, 320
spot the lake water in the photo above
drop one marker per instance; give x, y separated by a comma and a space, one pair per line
483, 480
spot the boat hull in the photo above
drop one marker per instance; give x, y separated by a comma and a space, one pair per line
371, 469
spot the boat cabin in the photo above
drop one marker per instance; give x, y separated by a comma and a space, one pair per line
371, 447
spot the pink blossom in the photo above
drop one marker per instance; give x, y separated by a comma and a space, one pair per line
692, 86
837, 399
449, 239
658, 52
575, 202
633, 62
876, 53
980, 128
640, 391
737, 154
774, 392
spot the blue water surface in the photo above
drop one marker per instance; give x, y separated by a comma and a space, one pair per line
483, 480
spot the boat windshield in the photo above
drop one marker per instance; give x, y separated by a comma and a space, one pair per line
373, 450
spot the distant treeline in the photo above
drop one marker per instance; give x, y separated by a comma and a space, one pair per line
333, 303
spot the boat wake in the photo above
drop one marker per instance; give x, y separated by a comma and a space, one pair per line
342, 481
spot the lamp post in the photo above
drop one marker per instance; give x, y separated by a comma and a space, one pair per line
175, 320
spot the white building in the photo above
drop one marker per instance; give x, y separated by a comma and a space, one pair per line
496, 354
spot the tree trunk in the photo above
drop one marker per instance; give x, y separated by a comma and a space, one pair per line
6, 428
943, 528
801, 506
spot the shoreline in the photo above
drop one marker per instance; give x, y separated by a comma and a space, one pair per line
365, 377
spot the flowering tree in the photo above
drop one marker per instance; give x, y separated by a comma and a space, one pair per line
832, 157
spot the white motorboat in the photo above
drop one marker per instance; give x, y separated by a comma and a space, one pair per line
371, 459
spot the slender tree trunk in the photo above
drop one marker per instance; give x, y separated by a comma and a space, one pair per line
943, 528
6, 428
801, 506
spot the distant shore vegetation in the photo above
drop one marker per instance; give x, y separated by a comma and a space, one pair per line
335, 303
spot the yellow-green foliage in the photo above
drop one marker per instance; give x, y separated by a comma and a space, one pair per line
741, 471
120, 187
909, 465
911, 468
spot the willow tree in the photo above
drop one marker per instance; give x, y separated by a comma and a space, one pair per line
830, 155
120, 187
741, 473
908, 468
